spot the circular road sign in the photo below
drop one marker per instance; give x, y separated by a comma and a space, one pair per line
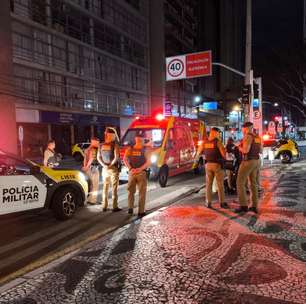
175, 67
257, 114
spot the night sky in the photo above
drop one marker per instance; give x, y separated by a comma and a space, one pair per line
277, 25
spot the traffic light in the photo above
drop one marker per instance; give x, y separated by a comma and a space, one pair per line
246, 93
256, 90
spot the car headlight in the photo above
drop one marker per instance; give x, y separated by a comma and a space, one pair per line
153, 158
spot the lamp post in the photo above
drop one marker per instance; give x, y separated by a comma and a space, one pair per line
197, 100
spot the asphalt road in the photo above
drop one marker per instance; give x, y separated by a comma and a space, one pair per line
33, 239
188, 254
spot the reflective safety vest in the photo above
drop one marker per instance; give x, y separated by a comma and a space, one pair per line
107, 152
255, 148
212, 152
136, 158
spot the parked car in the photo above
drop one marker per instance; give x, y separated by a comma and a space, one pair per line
78, 150
25, 185
286, 150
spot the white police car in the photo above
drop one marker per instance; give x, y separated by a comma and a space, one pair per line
25, 185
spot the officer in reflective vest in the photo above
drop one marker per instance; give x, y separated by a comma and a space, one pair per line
250, 149
109, 157
214, 153
91, 168
137, 160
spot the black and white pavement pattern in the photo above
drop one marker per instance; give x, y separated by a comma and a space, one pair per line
189, 254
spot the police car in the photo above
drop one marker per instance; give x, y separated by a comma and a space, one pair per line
25, 185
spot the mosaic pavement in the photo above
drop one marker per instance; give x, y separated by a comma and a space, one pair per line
190, 254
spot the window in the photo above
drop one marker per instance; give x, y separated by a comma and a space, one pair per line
152, 137
13, 166
134, 3
38, 9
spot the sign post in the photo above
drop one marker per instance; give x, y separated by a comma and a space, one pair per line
20, 137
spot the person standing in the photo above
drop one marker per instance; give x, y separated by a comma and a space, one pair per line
214, 153
51, 158
91, 168
109, 157
137, 160
248, 169
232, 154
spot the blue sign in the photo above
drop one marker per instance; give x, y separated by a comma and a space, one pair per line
255, 103
77, 119
212, 105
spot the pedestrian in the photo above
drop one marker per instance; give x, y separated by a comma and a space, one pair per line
137, 160
91, 168
248, 169
233, 155
214, 153
109, 158
51, 158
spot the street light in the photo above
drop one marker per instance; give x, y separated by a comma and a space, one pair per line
275, 104
197, 99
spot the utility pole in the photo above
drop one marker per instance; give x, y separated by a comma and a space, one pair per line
248, 58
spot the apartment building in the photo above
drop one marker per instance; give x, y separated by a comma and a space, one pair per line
77, 67
173, 34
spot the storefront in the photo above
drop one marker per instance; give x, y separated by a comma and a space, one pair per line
65, 128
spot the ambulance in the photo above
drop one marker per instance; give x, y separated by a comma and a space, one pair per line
25, 186
172, 142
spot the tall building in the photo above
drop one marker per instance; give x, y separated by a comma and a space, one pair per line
222, 30
77, 66
174, 32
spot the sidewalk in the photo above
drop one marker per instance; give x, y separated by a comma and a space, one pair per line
189, 254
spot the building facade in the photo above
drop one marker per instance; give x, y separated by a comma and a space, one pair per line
78, 66
176, 33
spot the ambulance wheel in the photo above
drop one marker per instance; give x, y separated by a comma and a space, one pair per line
286, 157
78, 157
163, 176
200, 167
64, 203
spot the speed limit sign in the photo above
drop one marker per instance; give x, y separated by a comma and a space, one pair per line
175, 67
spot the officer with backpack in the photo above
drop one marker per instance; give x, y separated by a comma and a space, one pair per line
109, 158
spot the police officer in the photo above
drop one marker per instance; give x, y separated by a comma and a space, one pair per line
137, 160
91, 168
109, 157
51, 158
250, 149
214, 153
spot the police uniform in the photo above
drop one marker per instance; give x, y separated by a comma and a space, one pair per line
248, 171
110, 175
91, 153
213, 168
136, 159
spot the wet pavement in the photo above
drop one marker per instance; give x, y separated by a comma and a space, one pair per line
187, 253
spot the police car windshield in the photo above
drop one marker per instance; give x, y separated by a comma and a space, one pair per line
152, 137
